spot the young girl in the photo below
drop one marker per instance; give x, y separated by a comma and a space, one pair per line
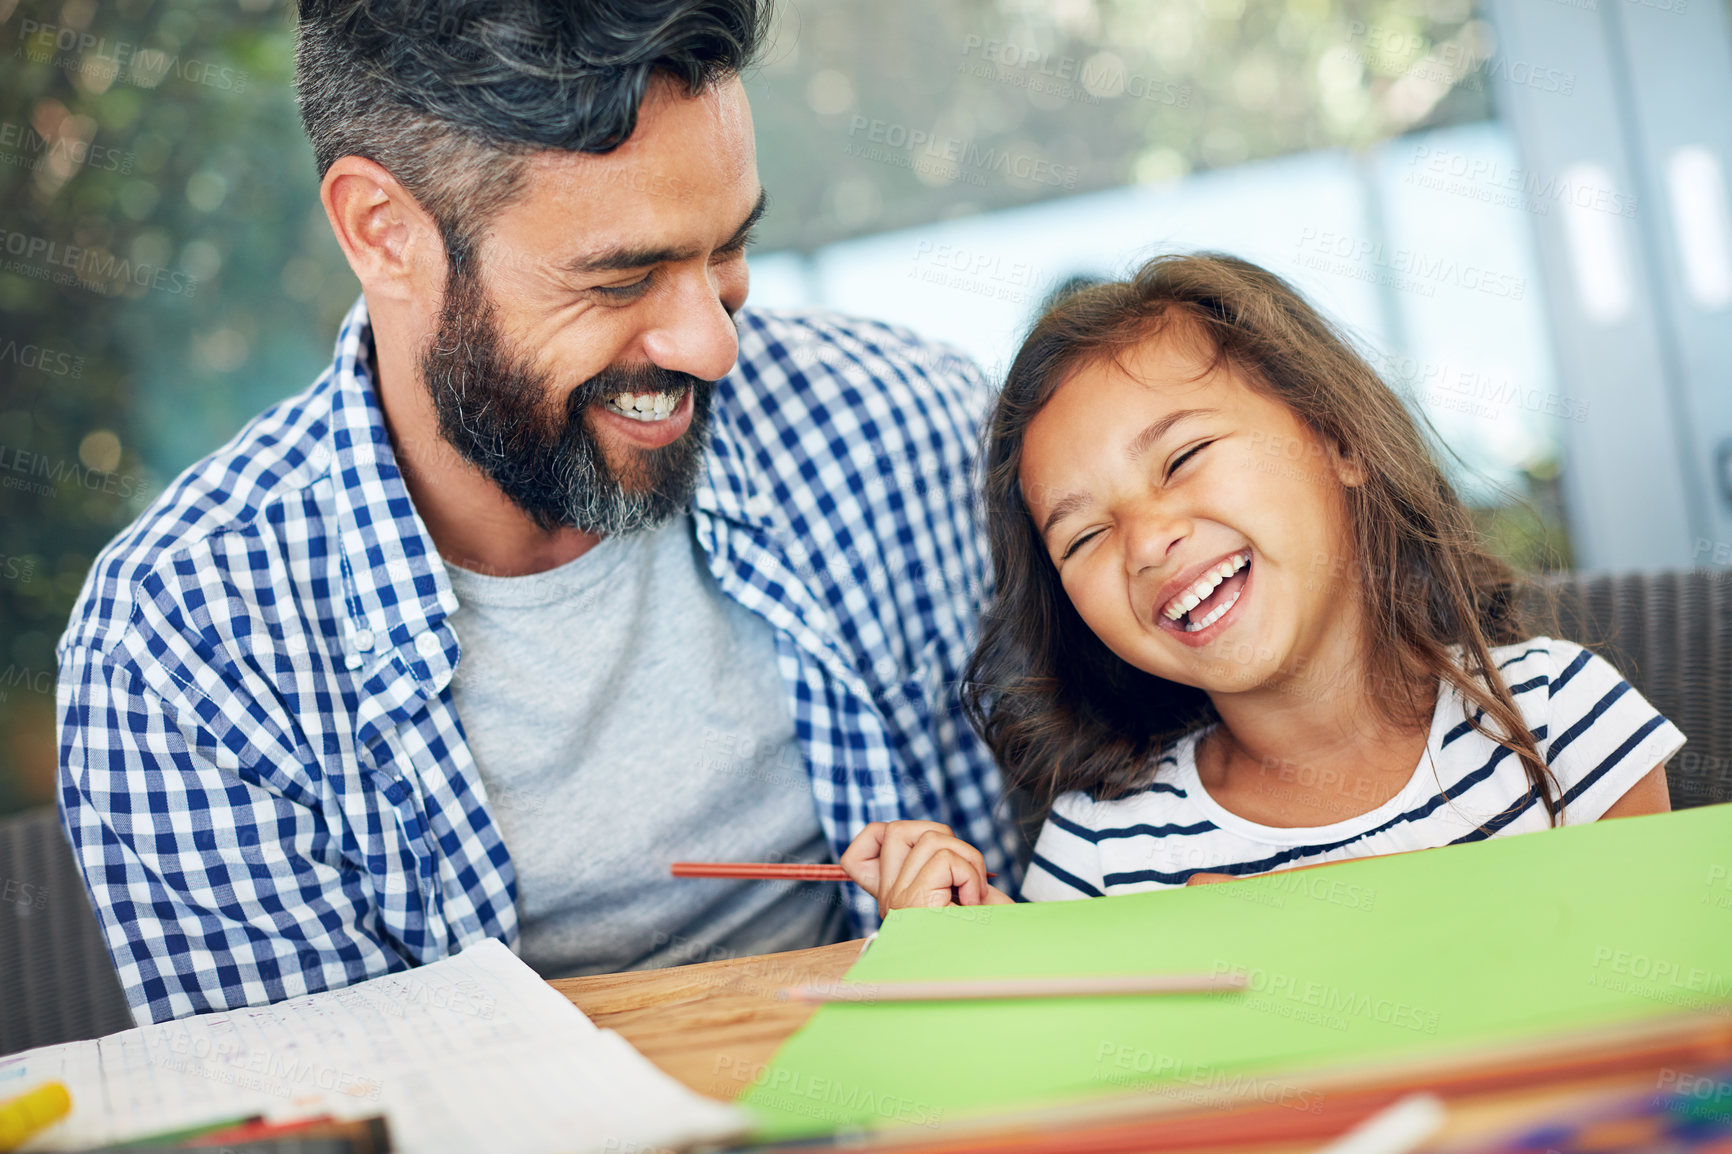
1243, 621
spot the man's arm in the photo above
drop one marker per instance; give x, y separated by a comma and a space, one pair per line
214, 889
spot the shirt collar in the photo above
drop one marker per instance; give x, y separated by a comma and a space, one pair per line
396, 585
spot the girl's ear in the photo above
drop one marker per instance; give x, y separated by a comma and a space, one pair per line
1348, 470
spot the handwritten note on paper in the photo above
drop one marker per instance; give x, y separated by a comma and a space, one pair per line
473, 1052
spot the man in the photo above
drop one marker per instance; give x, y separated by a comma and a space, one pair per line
565, 569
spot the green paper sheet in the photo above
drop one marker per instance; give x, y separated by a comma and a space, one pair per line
1506, 938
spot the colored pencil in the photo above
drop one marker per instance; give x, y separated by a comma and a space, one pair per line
974, 989
364, 1135
185, 1134
260, 1129
1398, 1129
767, 871
34, 1110
764, 871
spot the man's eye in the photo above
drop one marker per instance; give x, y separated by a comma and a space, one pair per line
1186, 456
1079, 543
624, 291
737, 249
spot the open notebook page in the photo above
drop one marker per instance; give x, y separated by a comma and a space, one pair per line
474, 1052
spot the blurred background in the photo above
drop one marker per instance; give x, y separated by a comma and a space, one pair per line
1519, 212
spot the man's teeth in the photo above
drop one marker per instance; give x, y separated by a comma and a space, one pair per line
645, 406
1199, 590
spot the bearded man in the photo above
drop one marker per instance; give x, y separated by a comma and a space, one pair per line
567, 567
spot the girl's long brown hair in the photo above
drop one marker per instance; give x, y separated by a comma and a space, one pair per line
1061, 711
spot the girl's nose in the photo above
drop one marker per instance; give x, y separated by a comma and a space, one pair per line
1151, 534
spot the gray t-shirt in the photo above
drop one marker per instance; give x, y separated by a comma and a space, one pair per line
625, 714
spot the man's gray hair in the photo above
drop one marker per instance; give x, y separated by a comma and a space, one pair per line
451, 96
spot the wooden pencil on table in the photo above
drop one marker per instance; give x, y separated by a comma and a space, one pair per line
767, 871
764, 871
974, 989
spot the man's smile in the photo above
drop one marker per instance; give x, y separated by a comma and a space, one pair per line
647, 420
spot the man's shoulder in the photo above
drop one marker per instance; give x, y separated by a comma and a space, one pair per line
810, 358
818, 394
237, 489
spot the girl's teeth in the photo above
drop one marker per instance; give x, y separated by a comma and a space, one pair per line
1213, 616
1203, 586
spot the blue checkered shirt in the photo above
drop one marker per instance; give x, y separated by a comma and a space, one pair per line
261, 771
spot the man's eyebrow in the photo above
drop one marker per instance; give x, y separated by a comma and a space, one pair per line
628, 257
1150, 436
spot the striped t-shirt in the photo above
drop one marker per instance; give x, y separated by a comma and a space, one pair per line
1598, 735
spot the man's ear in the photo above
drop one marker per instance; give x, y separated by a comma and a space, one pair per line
392, 244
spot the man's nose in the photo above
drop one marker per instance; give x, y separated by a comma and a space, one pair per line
693, 332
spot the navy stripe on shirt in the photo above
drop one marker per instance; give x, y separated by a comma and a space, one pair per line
1066, 877
1163, 787
1587, 720
1098, 835
1507, 662
1572, 669
1617, 755
1463, 727
1492, 825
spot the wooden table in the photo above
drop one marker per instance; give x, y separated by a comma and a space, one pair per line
715, 1024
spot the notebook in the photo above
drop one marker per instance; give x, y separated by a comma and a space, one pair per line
474, 1052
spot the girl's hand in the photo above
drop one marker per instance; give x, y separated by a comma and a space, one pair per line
918, 863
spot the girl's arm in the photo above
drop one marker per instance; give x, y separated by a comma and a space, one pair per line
1649, 795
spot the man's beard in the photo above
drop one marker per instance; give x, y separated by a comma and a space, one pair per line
497, 410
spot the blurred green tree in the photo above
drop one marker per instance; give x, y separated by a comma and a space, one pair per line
165, 272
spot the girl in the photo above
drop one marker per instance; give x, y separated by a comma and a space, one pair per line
1243, 622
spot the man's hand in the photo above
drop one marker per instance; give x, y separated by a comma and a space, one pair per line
918, 863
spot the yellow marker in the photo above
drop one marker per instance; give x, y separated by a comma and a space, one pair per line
22, 1116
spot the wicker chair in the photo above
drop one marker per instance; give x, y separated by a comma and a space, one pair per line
1670, 634
56, 982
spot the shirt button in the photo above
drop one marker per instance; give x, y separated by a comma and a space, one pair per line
427, 645
364, 640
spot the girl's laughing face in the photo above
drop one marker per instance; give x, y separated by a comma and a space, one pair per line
1198, 526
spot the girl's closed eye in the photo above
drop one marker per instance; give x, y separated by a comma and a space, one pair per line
1079, 541
1184, 456
1174, 464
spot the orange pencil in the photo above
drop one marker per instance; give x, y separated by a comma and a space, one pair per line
764, 871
